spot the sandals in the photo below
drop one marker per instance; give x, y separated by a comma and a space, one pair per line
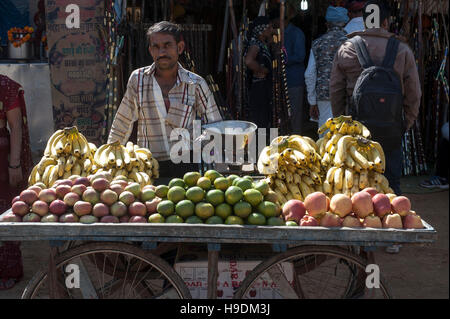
435, 182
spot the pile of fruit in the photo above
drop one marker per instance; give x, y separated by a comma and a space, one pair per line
293, 167
210, 199
96, 198
67, 153
352, 161
367, 208
215, 199
130, 163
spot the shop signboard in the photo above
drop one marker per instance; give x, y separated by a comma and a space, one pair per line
77, 65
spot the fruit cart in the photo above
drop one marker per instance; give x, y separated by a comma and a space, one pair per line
127, 260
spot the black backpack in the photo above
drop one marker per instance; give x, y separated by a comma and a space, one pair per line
377, 99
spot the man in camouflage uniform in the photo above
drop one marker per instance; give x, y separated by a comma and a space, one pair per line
317, 75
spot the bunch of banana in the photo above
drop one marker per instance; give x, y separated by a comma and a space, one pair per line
68, 141
293, 168
67, 153
130, 162
344, 125
357, 163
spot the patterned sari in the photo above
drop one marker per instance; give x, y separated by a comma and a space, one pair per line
11, 97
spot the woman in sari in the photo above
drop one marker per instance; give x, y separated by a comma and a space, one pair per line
15, 164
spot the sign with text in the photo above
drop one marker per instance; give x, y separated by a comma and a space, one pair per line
77, 65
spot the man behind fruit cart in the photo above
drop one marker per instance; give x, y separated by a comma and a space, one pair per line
162, 97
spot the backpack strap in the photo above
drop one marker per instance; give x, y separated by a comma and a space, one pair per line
391, 53
361, 51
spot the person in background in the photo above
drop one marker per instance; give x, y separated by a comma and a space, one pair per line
15, 165
258, 60
355, 13
440, 180
317, 75
294, 43
347, 69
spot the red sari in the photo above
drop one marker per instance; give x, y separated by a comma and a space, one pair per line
11, 97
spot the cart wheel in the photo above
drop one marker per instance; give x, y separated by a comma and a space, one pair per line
311, 272
145, 275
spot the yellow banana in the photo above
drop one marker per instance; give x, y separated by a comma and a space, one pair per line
349, 161
87, 165
339, 178
297, 178
144, 151
47, 151
99, 154
32, 176
327, 189
355, 187
363, 179
325, 126
299, 143
76, 170
342, 147
76, 146
348, 178
126, 156
118, 156
281, 186
307, 180
57, 147
70, 162
377, 147
281, 198
358, 157
289, 177
53, 175
44, 162
61, 164
111, 156
305, 189
316, 178
330, 174
46, 175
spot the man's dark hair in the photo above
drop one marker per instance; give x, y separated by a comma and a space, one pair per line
385, 10
167, 28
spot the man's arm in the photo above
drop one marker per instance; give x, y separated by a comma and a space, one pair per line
311, 79
338, 85
412, 90
205, 103
298, 54
126, 115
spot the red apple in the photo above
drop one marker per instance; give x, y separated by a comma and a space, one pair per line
341, 205
330, 220
412, 221
308, 221
372, 221
316, 204
294, 210
401, 205
372, 191
392, 221
381, 205
362, 204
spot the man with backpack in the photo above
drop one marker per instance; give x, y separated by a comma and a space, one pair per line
375, 79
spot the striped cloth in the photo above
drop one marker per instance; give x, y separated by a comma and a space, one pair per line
190, 99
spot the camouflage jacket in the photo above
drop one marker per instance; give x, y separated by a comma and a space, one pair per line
324, 49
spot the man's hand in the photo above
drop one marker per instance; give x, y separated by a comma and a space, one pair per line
15, 176
314, 112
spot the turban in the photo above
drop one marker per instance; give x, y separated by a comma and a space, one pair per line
336, 15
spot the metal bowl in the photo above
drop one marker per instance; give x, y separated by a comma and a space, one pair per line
241, 132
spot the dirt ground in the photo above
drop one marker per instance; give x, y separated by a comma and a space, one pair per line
416, 272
